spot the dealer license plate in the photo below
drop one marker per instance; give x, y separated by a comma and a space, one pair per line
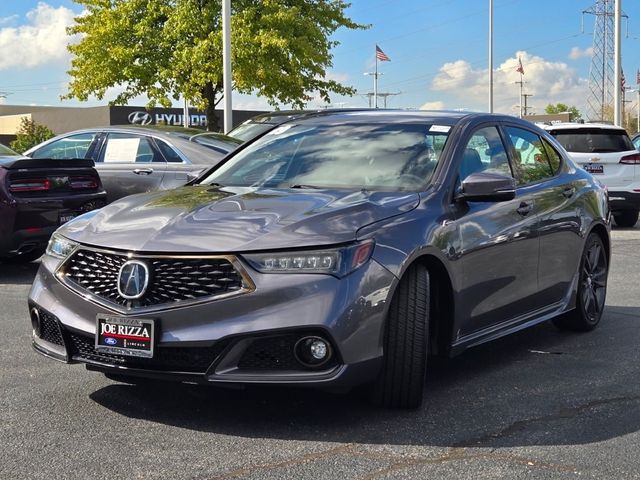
133, 337
594, 168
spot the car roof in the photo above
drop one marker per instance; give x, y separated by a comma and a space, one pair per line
578, 126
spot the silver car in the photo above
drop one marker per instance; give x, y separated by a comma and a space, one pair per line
138, 159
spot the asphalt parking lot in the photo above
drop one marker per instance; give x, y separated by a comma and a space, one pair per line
538, 404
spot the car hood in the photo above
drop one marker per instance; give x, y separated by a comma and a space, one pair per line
227, 219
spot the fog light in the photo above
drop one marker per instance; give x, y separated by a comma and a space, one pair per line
35, 322
312, 351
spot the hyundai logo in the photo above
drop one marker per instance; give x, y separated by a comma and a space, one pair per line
110, 341
133, 279
140, 118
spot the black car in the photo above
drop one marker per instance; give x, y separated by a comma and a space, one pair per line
137, 159
338, 250
37, 196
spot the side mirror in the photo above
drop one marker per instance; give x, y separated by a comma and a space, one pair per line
487, 187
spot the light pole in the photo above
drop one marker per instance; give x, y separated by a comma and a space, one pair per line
490, 56
617, 54
226, 67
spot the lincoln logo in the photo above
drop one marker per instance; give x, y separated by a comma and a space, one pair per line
133, 279
140, 118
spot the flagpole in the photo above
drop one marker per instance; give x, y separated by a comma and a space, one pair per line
490, 56
521, 82
375, 82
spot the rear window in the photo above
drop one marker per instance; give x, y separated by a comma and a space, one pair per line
593, 140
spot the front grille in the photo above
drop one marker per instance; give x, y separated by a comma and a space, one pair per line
171, 279
50, 328
177, 359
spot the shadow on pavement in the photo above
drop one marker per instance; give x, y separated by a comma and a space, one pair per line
18, 273
537, 387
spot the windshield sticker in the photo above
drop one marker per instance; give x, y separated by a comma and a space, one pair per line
440, 128
279, 130
121, 150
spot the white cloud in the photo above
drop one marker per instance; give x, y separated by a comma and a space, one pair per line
577, 52
42, 40
433, 106
548, 82
8, 20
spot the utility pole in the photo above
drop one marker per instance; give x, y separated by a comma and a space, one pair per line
521, 83
617, 52
375, 93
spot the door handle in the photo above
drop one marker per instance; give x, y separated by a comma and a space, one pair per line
525, 208
143, 171
568, 192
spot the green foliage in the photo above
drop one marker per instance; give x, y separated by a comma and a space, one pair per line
172, 48
29, 135
574, 113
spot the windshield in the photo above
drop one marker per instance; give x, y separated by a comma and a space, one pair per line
352, 156
593, 140
7, 152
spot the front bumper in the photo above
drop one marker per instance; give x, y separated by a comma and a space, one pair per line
244, 339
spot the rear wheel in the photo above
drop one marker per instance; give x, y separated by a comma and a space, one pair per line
592, 289
626, 218
401, 381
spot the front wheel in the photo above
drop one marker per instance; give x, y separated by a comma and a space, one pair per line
626, 218
592, 288
400, 384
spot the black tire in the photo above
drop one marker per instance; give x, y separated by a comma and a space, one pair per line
592, 289
24, 258
400, 383
626, 218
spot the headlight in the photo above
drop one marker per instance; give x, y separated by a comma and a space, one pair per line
333, 261
60, 247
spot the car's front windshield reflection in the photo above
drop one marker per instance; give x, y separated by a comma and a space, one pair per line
352, 156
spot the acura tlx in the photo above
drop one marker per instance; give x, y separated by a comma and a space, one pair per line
337, 249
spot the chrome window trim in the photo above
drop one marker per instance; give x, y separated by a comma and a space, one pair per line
248, 286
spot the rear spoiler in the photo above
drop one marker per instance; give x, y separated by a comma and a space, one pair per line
25, 162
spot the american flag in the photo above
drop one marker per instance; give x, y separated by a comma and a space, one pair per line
380, 55
637, 77
520, 68
623, 81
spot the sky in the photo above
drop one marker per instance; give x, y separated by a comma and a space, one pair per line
438, 51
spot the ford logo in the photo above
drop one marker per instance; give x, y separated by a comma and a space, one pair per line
140, 118
133, 279
110, 341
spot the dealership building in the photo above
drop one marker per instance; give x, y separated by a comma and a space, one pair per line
67, 119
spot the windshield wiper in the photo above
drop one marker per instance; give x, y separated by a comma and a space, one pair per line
303, 185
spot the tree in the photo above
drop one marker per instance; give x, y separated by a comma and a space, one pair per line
574, 113
29, 135
167, 49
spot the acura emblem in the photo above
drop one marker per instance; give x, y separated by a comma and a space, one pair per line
140, 118
133, 279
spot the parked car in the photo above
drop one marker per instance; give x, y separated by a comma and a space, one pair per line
606, 151
36, 197
133, 159
636, 141
340, 249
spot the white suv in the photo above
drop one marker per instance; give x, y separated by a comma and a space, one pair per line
606, 152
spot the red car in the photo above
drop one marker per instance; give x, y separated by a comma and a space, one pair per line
37, 196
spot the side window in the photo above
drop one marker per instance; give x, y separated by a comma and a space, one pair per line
128, 148
531, 163
484, 152
168, 152
74, 146
555, 160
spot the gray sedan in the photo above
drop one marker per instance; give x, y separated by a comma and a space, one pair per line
136, 159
